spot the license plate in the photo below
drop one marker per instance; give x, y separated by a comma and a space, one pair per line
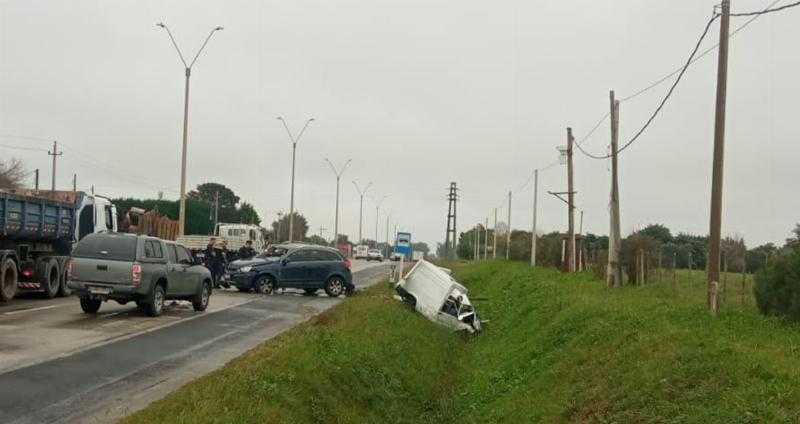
99, 290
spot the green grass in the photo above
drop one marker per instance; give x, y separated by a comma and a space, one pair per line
556, 348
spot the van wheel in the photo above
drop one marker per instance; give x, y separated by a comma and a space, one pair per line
89, 305
264, 285
49, 277
200, 301
8, 280
334, 287
155, 303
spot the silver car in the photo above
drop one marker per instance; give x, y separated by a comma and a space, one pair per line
142, 269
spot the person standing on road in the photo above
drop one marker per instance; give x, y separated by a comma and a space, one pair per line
247, 251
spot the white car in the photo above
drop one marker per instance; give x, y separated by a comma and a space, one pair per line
374, 255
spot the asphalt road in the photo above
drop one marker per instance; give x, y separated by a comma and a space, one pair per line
58, 365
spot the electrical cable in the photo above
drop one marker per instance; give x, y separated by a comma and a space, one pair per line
769, 9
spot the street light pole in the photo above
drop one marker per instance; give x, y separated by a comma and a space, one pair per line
338, 177
188, 72
378, 216
294, 156
361, 209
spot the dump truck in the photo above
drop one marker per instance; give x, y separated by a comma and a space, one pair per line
234, 235
37, 232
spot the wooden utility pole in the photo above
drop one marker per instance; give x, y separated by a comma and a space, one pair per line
614, 269
508, 235
533, 229
715, 232
36, 180
494, 238
74, 182
486, 238
571, 202
55, 154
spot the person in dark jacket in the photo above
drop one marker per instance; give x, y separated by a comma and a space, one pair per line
247, 251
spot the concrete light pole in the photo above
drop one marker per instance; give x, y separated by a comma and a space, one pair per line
338, 177
188, 71
361, 209
294, 156
378, 216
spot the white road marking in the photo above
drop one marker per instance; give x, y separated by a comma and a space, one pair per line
41, 308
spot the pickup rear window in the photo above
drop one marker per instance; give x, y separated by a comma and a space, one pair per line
114, 248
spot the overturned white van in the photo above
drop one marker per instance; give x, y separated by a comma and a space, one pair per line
436, 295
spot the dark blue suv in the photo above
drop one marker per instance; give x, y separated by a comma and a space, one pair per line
298, 266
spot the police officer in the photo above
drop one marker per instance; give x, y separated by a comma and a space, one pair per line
247, 251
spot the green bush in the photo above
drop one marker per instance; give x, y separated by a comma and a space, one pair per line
777, 288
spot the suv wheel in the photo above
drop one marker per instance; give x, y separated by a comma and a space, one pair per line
264, 285
334, 287
155, 303
89, 305
200, 301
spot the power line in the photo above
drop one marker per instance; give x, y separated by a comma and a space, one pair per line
29, 149
666, 97
704, 53
769, 9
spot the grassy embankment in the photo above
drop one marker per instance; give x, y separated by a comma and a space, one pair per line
556, 348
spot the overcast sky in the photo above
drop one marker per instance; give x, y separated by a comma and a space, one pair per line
418, 94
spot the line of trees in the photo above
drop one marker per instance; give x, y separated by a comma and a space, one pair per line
654, 243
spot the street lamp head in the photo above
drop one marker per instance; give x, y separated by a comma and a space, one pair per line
161, 24
280, 118
219, 28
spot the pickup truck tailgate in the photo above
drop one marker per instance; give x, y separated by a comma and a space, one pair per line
102, 271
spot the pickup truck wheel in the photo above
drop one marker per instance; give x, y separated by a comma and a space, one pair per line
155, 303
8, 280
89, 305
49, 277
334, 287
264, 285
200, 301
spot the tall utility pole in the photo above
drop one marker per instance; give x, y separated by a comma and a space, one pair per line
477, 243
387, 233
533, 228
715, 231
74, 182
450, 244
494, 238
336, 218
486, 239
294, 156
614, 269
361, 210
36, 180
55, 154
508, 235
188, 73
570, 201
216, 210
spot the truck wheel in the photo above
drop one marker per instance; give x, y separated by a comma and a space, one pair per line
200, 301
334, 287
63, 289
155, 303
89, 305
8, 280
49, 277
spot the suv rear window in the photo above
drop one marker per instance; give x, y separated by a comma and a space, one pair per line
115, 248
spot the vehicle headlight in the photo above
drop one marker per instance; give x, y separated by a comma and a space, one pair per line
245, 269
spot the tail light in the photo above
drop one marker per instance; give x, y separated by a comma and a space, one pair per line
70, 269
27, 272
136, 273
347, 263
